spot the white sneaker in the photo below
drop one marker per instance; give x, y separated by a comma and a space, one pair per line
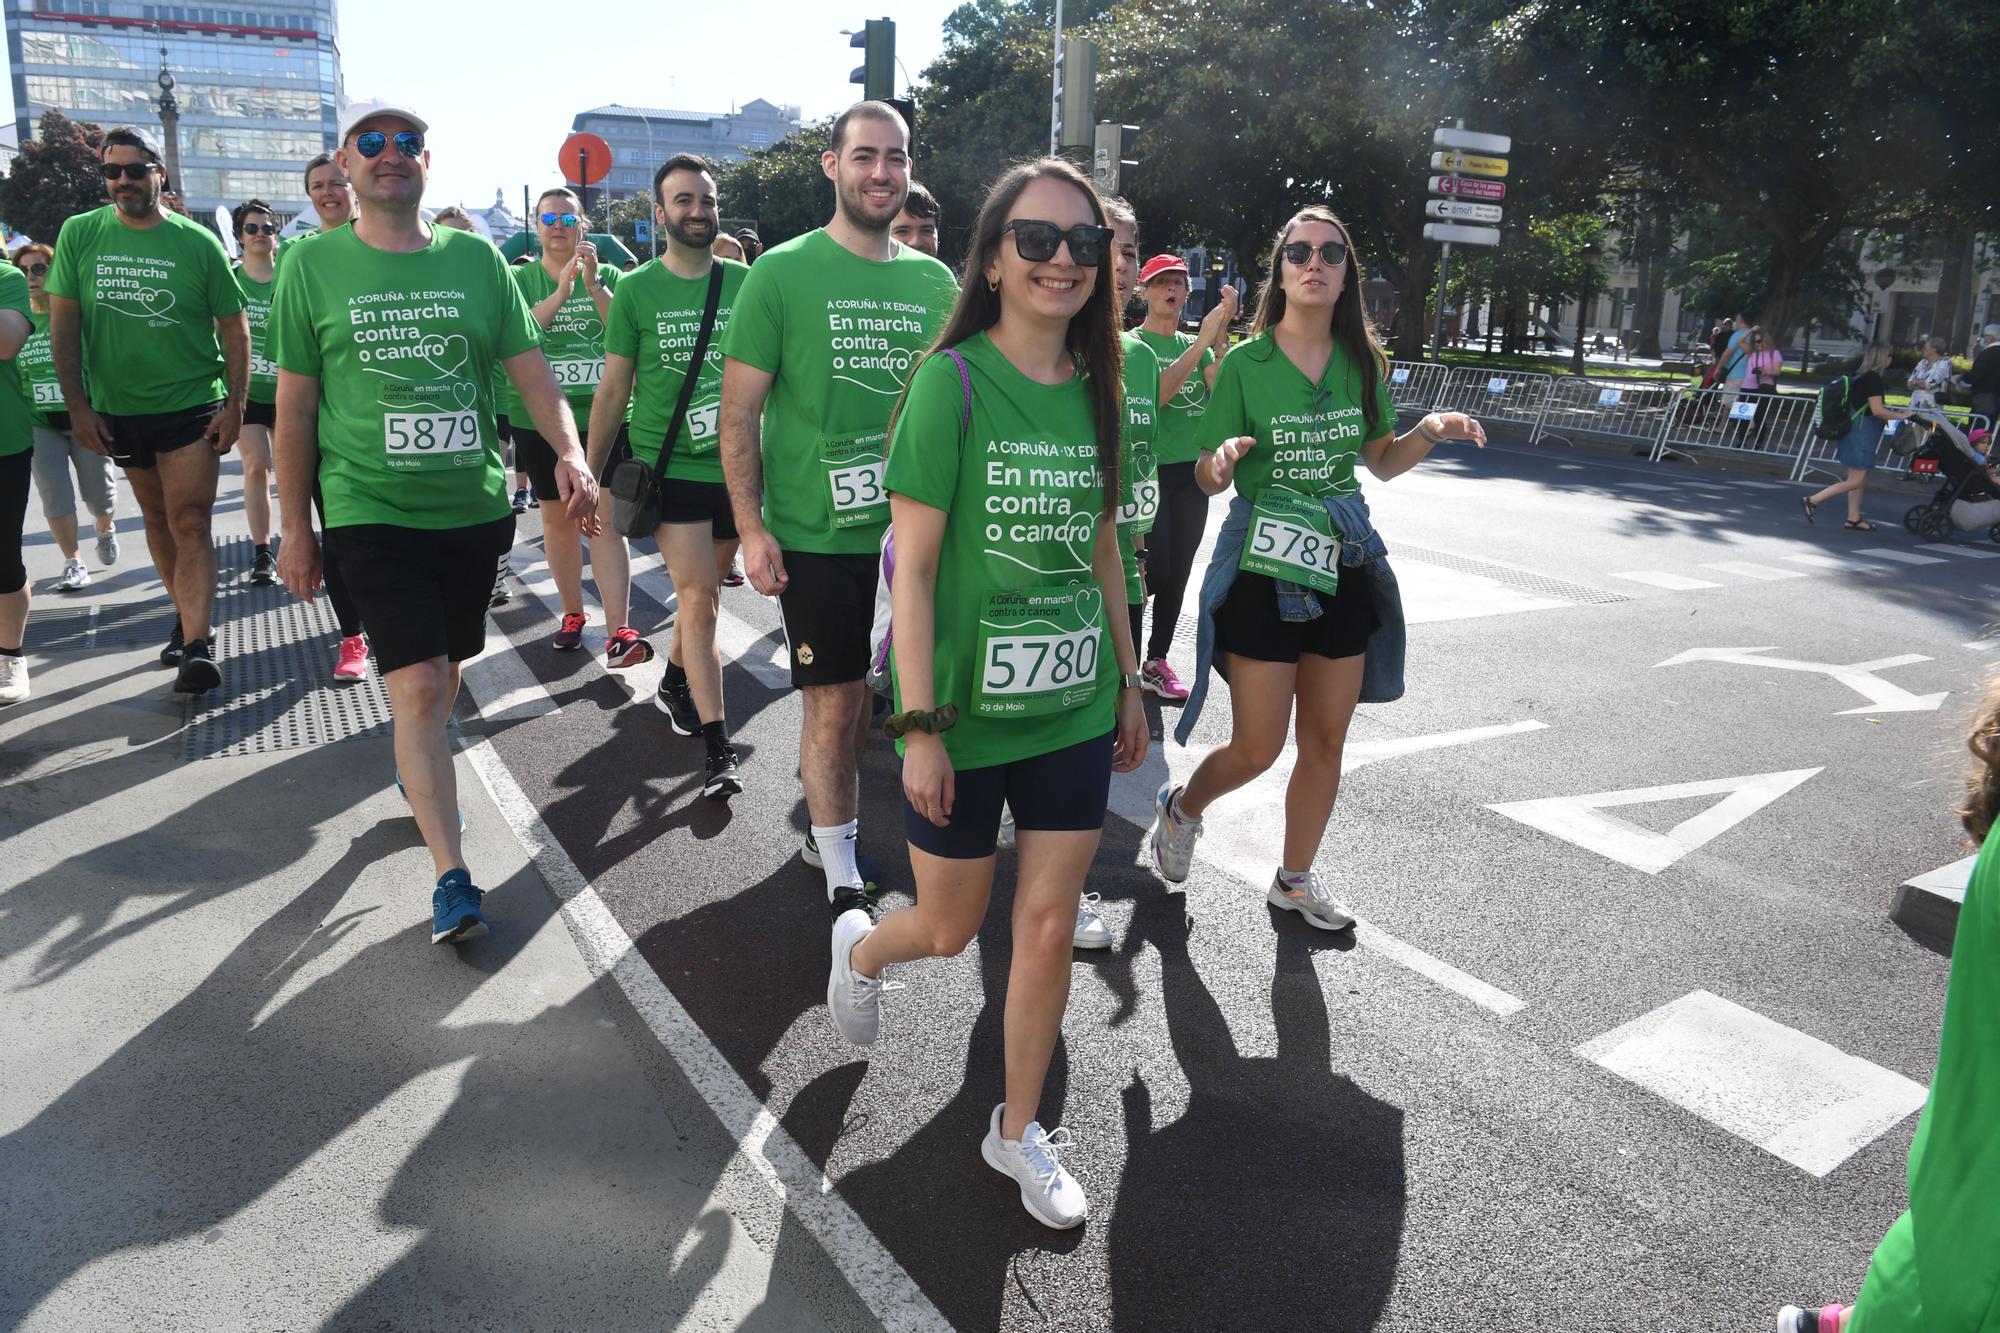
1048, 1191
1007, 831
74, 576
107, 547
1091, 932
13, 680
854, 1001
1174, 836
1310, 901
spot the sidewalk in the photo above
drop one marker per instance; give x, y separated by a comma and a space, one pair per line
243, 1090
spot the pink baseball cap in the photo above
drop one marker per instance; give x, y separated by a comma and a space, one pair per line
1159, 264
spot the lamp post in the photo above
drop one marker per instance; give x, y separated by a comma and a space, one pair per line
1591, 255
653, 227
170, 125
1885, 278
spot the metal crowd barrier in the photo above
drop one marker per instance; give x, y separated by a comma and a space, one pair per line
1417, 386
1624, 409
1896, 447
1773, 426
1497, 395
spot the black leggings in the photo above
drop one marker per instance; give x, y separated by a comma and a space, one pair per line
1170, 548
344, 610
15, 472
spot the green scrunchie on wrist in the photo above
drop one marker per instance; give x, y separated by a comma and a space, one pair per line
932, 722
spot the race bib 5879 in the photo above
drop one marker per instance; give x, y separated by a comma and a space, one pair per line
431, 441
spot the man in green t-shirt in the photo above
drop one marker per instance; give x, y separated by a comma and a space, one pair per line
1187, 369
821, 341
649, 340
386, 334
143, 299
17, 465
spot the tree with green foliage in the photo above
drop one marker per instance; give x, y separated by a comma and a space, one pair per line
56, 177
783, 186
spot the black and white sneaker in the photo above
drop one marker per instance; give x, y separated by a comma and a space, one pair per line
677, 702
176, 645
724, 778
198, 672
264, 570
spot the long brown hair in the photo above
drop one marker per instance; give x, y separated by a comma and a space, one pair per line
1982, 798
1351, 326
1092, 337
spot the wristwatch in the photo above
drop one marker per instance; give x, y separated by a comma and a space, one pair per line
1131, 680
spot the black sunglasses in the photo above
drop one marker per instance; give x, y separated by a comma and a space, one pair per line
131, 171
35, 270
1299, 253
1037, 242
370, 144
260, 229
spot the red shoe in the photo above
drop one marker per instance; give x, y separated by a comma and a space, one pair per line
569, 637
353, 663
626, 649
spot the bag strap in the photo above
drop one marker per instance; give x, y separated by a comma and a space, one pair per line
965, 387
692, 375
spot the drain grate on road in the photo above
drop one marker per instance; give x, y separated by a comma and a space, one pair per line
1521, 580
277, 655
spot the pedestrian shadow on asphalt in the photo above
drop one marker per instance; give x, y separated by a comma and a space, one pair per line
1289, 1177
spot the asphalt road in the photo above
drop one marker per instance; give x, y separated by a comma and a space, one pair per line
1647, 1057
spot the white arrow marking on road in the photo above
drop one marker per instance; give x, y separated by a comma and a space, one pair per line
1360, 753
1580, 819
1858, 676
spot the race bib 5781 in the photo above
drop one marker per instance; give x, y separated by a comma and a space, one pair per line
1292, 538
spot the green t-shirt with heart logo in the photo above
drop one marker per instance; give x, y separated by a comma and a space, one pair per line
17, 415
573, 341
656, 321
38, 370
257, 308
1308, 434
150, 298
1180, 415
404, 347
840, 334
1021, 645
1138, 464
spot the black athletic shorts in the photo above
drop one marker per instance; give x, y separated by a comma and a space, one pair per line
1248, 625
828, 607
1065, 790
536, 457
260, 414
137, 441
421, 593
699, 502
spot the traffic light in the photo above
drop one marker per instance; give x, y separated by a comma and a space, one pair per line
1112, 164
1076, 94
877, 72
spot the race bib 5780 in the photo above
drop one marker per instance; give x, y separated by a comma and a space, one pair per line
1038, 650
431, 441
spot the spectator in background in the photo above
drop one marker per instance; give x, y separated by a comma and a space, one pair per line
752, 244
917, 225
1985, 373
728, 247
1734, 360
1856, 451
1931, 375
451, 215
1762, 364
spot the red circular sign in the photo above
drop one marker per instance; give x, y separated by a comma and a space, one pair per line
584, 159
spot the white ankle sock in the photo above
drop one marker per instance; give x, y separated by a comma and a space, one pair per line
836, 853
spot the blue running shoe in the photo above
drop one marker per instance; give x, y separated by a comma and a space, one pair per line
406, 798
455, 914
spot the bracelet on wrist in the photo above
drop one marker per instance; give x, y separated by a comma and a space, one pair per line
930, 721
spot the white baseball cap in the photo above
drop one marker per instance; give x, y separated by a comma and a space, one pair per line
362, 111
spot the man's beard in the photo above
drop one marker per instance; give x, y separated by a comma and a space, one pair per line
138, 205
680, 232
854, 209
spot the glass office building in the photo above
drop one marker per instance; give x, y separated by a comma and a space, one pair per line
259, 89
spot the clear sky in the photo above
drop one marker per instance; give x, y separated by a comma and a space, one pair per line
500, 82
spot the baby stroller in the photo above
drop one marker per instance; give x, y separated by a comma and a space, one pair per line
1967, 498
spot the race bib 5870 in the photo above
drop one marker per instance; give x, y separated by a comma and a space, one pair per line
432, 441
578, 374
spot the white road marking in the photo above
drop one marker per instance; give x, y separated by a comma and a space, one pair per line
1751, 570
1581, 819
889, 1292
1243, 843
1792, 1095
1834, 562
1901, 557
1648, 486
1963, 552
1860, 677
506, 690
1433, 592
1654, 578
1948, 881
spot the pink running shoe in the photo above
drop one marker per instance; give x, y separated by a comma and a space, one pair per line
353, 663
569, 635
1159, 679
1826, 1319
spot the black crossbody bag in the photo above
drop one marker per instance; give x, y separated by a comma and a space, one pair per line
635, 487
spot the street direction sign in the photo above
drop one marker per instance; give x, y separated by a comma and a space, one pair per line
1457, 235
1453, 210
1472, 141
1469, 164
1581, 819
1492, 191
1860, 677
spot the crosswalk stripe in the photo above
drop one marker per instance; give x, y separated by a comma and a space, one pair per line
1654, 578
1749, 569
1902, 557
1965, 552
1834, 562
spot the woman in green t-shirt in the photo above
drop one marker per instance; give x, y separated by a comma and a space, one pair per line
1016, 677
256, 230
62, 467
1292, 601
